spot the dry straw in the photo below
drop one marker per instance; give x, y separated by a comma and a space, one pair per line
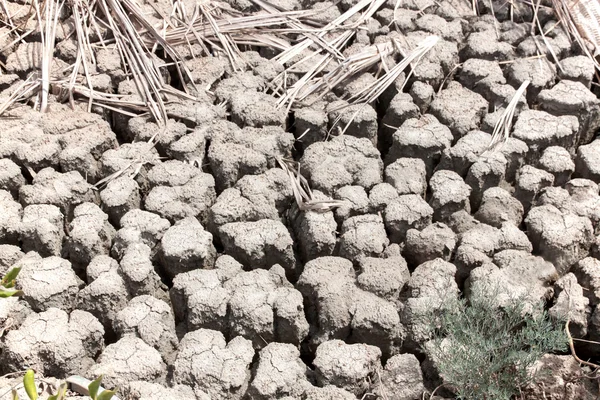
307, 47
503, 126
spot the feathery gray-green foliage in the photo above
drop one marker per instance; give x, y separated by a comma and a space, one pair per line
484, 352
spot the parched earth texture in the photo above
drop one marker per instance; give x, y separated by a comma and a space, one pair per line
194, 274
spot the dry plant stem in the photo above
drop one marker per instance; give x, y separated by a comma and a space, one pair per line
323, 54
145, 73
301, 189
352, 66
542, 33
372, 92
572, 348
503, 126
47, 28
581, 19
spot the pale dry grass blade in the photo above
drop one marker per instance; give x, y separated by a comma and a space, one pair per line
48, 25
301, 189
350, 67
23, 92
323, 55
145, 73
372, 92
503, 126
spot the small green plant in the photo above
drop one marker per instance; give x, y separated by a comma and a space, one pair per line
484, 352
31, 388
95, 391
8, 283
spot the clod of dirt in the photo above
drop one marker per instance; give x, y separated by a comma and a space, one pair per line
424, 139
498, 207
530, 182
407, 176
409, 211
343, 161
11, 178
588, 276
363, 236
48, 282
541, 75
90, 235
10, 218
571, 303
315, 232
477, 245
185, 246
346, 366
207, 362
449, 194
587, 162
152, 321
558, 162
459, 109
54, 343
142, 390
120, 196
573, 98
430, 287
465, 152
563, 369
129, 359
253, 197
401, 379
540, 130
259, 305
577, 68
179, 190
280, 372
563, 237
64, 190
514, 273
435, 241
487, 172
146, 227
340, 310
236, 152
384, 277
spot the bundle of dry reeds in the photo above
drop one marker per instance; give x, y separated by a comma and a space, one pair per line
139, 35
219, 29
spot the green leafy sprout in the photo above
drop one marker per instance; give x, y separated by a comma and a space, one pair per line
95, 391
8, 283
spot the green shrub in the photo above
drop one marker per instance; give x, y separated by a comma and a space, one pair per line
483, 351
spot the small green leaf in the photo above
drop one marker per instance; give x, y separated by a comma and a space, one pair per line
106, 395
29, 384
15, 395
61, 394
4, 293
94, 386
10, 277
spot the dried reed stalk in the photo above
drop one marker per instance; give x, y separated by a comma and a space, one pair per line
301, 189
503, 126
326, 52
581, 19
372, 92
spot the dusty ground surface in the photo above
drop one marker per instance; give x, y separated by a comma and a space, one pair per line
194, 274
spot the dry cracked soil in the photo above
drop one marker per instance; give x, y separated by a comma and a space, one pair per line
192, 273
